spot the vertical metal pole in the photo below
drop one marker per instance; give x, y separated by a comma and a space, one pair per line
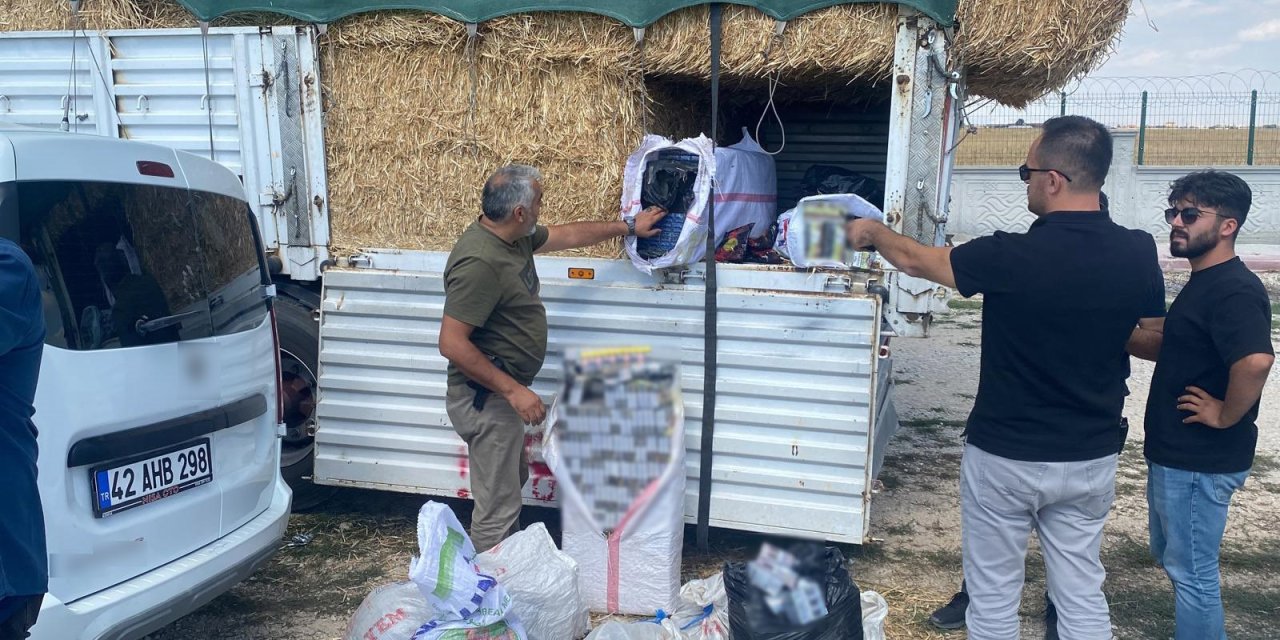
208, 90
709, 323
1142, 130
1253, 124
1062, 105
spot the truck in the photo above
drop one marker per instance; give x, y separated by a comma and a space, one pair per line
803, 404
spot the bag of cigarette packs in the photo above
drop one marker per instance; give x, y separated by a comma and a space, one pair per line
617, 450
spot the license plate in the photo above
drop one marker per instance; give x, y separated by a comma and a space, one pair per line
126, 485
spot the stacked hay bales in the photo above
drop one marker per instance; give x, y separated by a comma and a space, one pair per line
418, 113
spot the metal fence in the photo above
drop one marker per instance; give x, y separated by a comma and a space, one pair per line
1217, 120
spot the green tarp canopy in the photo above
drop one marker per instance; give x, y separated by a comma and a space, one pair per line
633, 13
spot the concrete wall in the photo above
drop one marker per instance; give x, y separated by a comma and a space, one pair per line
986, 199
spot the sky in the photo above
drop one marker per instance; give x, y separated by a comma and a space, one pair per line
1196, 37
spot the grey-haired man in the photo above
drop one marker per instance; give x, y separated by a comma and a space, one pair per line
494, 334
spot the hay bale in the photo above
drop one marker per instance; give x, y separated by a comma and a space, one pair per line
102, 15
408, 150
838, 45
1016, 51
43, 15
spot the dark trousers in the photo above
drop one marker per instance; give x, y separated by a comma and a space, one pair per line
15, 627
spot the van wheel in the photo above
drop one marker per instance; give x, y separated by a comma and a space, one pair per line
299, 356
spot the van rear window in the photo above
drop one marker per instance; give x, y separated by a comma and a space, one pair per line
131, 265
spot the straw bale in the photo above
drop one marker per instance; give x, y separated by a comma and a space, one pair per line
1013, 51
40, 15
408, 150
1017, 51
407, 156
101, 15
840, 44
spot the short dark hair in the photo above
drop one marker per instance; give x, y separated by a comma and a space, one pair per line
1077, 147
1218, 189
1223, 191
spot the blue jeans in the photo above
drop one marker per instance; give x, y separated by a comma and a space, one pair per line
1188, 513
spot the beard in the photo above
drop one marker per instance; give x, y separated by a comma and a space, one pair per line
1192, 246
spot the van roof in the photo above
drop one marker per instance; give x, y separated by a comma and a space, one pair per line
37, 154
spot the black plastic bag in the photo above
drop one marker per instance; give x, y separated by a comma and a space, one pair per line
822, 179
668, 180
750, 619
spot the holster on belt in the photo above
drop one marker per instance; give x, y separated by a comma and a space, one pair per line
483, 392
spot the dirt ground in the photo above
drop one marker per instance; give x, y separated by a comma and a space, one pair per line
363, 539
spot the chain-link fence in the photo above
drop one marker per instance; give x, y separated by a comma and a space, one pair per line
1218, 120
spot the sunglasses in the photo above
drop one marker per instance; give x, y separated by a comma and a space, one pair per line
1024, 172
1189, 215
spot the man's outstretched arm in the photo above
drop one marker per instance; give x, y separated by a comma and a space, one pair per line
576, 235
909, 256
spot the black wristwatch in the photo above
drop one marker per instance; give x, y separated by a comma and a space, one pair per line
631, 226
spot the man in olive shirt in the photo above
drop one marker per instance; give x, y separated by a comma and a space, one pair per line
494, 334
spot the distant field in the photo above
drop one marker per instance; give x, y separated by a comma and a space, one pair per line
1169, 147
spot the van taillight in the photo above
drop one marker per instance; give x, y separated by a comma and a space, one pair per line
155, 169
275, 343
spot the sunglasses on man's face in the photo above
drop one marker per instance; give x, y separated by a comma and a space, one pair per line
1189, 215
1024, 172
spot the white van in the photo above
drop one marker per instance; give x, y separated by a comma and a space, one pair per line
158, 408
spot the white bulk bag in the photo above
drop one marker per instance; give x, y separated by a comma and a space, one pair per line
635, 569
746, 188
693, 234
812, 234
746, 193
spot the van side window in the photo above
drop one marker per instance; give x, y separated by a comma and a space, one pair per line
134, 265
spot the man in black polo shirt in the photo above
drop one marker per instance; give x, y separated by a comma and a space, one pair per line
1214, 354
1059, 304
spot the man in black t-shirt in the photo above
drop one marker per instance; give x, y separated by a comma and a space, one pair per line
1060, 302
1213, 355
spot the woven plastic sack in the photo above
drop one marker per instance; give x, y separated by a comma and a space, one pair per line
542, 582
390, 612
460, 597
746, 188
874, 611
684, 232
614, 630
703, 613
